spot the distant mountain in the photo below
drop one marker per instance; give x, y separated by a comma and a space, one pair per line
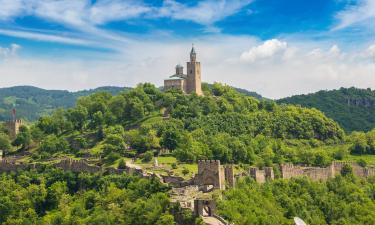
32, 102
240, 90
352, 108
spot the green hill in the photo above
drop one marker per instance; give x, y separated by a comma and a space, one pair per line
32, 102
352, 108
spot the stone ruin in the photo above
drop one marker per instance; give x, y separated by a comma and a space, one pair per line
211, 175
323, 173
9, 166
262, 176
77, 166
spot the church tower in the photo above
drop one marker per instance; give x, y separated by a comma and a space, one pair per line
194, 82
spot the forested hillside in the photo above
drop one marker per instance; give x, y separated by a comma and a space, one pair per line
136, 125
32, 102
52, 196
223, 124
352, 108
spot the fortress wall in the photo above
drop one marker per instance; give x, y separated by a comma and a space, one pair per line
318, 173
6, 166
77, 166
289, 171
370, 171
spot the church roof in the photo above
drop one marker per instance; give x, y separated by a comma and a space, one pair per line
177, 77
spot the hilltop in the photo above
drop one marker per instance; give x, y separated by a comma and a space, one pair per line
352, 108
33, 102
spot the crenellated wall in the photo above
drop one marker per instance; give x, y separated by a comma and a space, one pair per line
7, 166
262, 176
323, 173
77, 166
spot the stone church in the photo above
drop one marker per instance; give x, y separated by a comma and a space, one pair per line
188, 83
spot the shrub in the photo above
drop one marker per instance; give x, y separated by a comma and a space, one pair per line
362, 162
147, 156
121, 164
111, 157
185, 171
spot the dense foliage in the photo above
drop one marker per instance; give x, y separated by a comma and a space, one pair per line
56, 197
223, 124
339, 201
352, 108
32, 102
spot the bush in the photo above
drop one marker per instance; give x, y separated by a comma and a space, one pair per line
362, 162
174, 166
121, 164
147, 156
347, 170
185, 171
111, 157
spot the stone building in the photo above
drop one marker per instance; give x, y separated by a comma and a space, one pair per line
211, 175
13, 125
188, 83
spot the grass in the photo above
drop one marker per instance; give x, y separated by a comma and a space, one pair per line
165, 166
370, 159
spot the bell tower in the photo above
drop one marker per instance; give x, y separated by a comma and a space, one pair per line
194, 81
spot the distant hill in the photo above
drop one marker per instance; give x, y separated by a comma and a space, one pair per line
352, 108
240, 90
32, 102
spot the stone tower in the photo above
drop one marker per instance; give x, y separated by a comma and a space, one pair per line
194, 82
13, 125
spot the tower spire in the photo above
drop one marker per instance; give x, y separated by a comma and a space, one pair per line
193, 54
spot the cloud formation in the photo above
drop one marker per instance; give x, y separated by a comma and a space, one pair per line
10, 51
273, 75
266, 50
362, 12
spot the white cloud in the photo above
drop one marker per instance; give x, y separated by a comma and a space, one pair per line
266, 50
205, 12
363, 12
45, 37
10, 51
299, 73
370, 51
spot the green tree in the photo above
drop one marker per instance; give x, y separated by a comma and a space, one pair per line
23, 138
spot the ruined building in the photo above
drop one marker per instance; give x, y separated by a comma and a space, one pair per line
188, 83
13, 125
211, 175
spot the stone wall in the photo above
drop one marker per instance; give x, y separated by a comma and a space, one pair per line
7, 166
262, 176
229, 175
210, 172
77, 166
319, 173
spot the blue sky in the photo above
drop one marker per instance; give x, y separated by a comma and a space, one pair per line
260, 45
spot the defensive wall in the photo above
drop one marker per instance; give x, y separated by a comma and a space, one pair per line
323, 173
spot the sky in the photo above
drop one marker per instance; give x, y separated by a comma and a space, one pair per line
277, 48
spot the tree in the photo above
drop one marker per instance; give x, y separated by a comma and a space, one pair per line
148, 156
23, 138
4, 142
121, 164
347, 170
